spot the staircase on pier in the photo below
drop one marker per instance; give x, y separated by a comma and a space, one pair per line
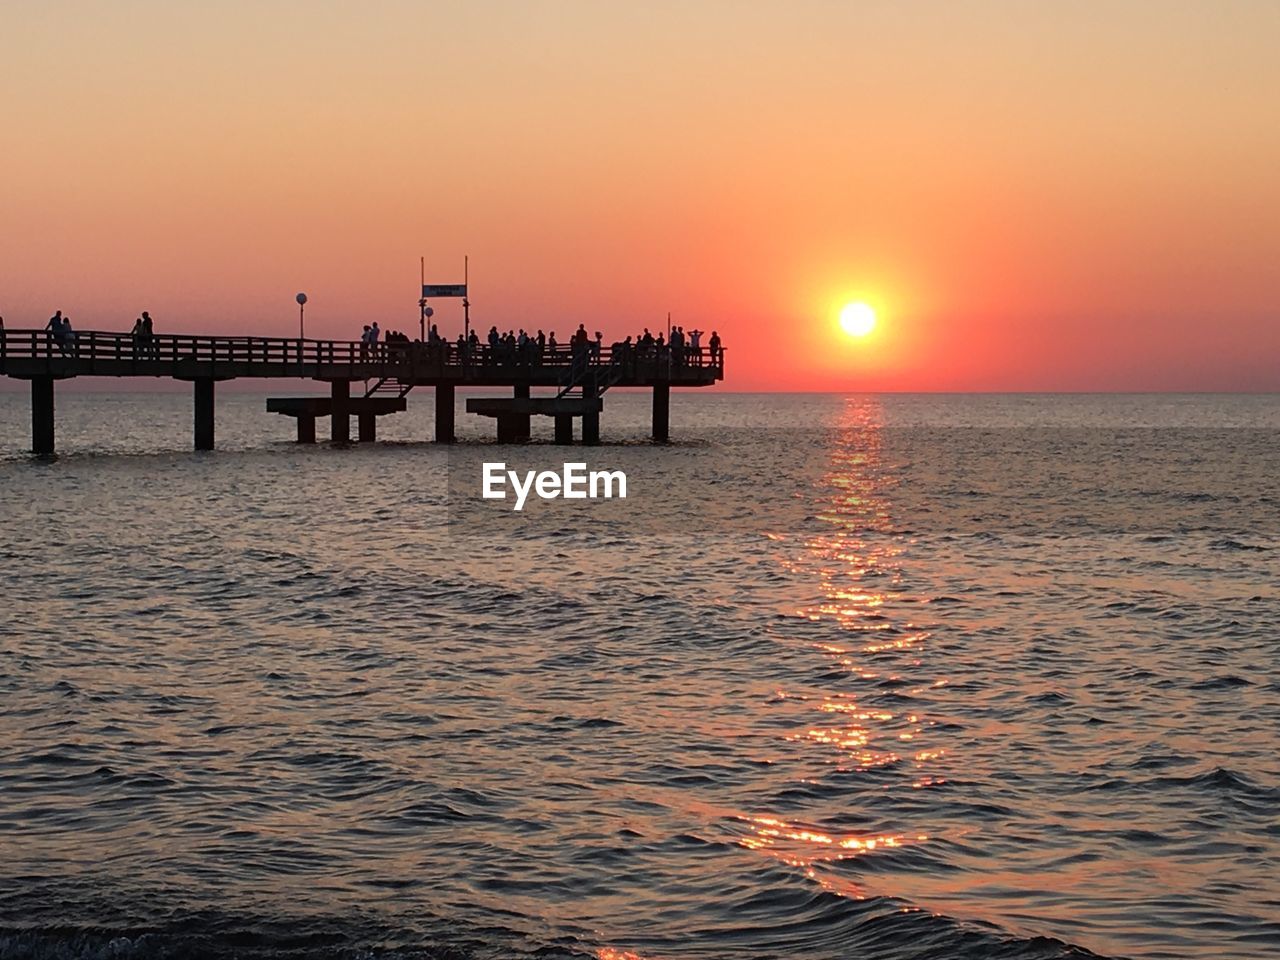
388, 387
590, 380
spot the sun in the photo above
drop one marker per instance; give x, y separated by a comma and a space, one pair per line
857, 319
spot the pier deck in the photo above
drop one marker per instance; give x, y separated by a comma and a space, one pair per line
388, 371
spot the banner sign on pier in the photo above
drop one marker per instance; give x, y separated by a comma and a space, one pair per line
444, 290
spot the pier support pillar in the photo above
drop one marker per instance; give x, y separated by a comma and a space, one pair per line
591, 428
564, 428
306, 429
339, 412
521, 420
368, 425
661, 412
511, 429
444, 413
204, 413
42, 416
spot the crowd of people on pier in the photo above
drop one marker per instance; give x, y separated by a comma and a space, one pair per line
679, 348
522, 348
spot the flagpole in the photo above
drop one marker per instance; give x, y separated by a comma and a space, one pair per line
422, 301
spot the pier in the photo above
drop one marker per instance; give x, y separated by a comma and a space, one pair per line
366, 381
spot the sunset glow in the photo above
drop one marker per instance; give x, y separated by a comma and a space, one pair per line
607, 164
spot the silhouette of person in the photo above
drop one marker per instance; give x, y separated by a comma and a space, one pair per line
57, 327
695, 345
148, 334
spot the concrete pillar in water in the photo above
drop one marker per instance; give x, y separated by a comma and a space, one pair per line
564, 428
42, 415
306, 429
661, 412
368, 425
591, 428
521, 420
509, 428
339, 411
444, 413
204, 413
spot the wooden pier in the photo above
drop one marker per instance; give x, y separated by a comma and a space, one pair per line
366, 380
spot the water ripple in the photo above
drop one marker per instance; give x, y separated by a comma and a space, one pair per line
986, 677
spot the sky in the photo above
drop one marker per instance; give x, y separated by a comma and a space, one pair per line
1031, 196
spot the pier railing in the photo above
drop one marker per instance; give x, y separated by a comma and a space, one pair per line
111, 353
44, 357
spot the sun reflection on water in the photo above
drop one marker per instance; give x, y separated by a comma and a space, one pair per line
855, 561
611, 953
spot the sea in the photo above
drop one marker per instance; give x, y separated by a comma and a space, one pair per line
844, 676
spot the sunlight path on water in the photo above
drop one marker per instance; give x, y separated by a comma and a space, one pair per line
855, 562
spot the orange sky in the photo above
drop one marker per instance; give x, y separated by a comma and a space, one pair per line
1034, 196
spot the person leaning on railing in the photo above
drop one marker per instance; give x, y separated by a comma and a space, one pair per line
63, 335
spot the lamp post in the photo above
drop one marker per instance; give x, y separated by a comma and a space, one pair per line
427, 314
302, 305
